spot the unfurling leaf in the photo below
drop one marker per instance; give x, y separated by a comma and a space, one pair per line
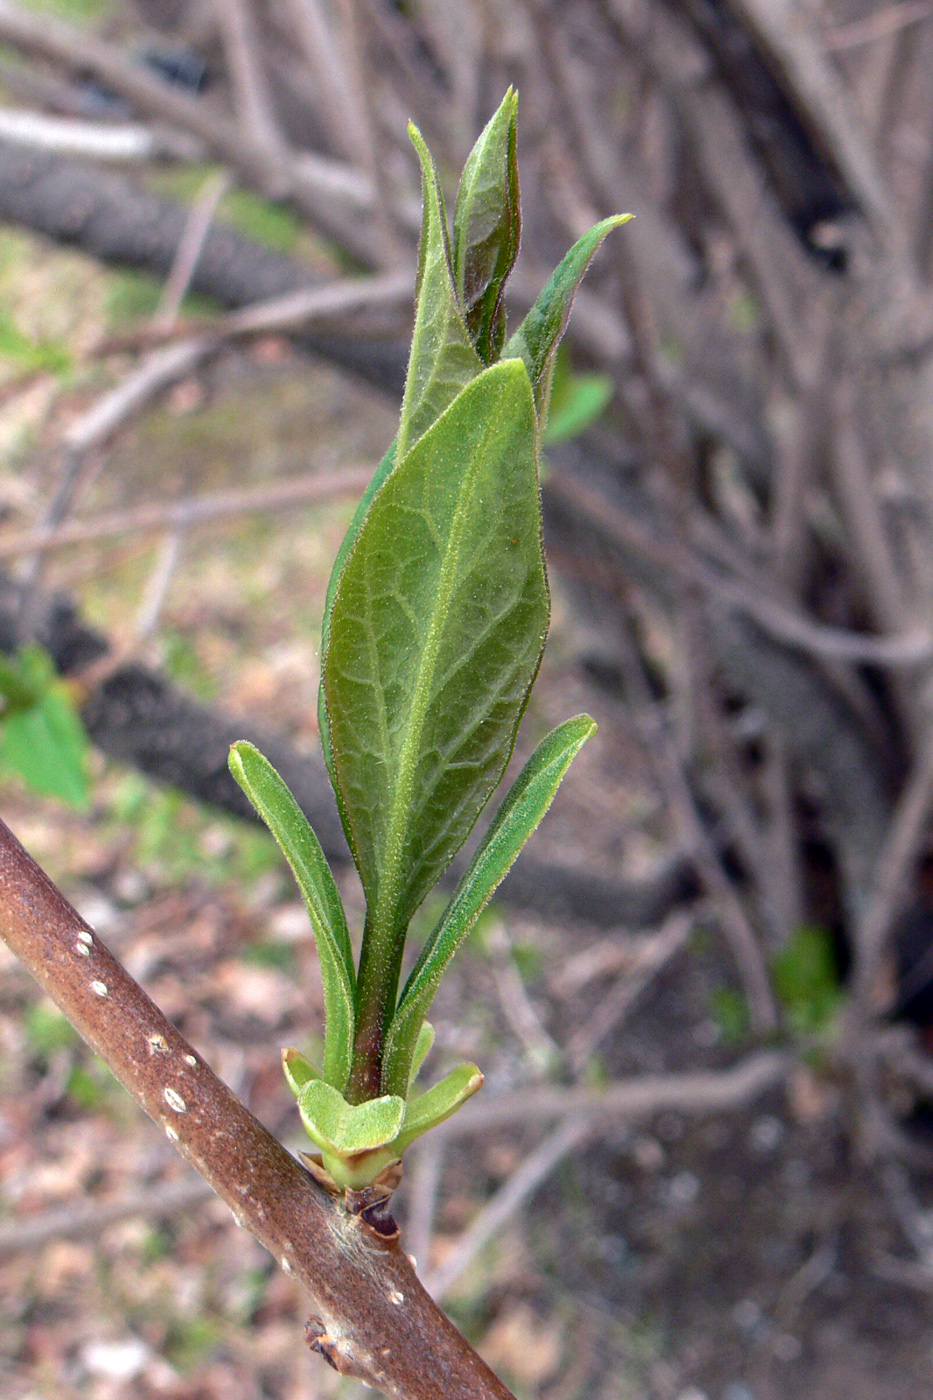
301, 848
522, 809
487, 229
442, 360
537, 338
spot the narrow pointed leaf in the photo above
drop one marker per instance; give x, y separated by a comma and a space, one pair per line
437, 627
487, 229
301, 848
347, 1129
539, 335
442, 360
422, 1050
436, 1104
522, 809
298, 1071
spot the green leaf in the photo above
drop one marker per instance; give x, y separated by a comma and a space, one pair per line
487, 229
422, 1050
301, 848
43, 739
577, 401
298, 1071
47, 747
18, 690
357, 1141
436, 1104
345, 1128
437, 627
522, 809
538, 336
806, 979
442, 360
343, 553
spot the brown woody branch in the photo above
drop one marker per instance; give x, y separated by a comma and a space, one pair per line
371, 1317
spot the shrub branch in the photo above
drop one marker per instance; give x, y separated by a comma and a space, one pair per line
371, 1317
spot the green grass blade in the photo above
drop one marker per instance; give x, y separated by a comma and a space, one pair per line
442, 360
301, 848
539, 335
437, 628
522, 809
487, 229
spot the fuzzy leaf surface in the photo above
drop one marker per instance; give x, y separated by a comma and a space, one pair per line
301, 848
539, 335
487, 229
442, 360
438, 623
522, 809
347, 1129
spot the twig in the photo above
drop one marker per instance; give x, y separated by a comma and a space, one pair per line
189, 250
192, 510
820, 96
338, 109
535, 1169
777, 620
626, 1100
275, 175
287, 313
83, 1217
372, 1318
906, 833
862, 511
696, 841
67, 136
423, 1185
884, 22
361, 79
154, 593
251, 92
586, 1113
655, 953
541, 1049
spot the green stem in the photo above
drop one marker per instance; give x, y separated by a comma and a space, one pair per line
376, 992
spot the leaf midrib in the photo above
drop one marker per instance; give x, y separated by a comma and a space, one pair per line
387, 896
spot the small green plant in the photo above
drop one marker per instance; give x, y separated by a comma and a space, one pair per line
806, 979
42, 738
29, 354
435, 622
